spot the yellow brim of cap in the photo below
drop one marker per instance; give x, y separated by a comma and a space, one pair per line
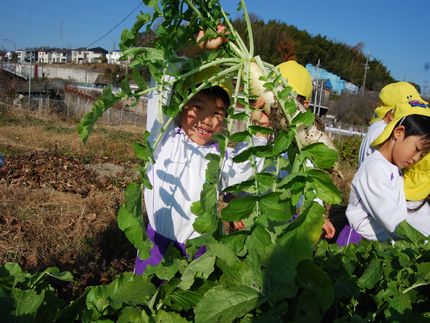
380, 113
204, 75
417, 180
398, 115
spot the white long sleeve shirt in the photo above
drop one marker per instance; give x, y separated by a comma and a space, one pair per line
373, 132
377, 202
178, 175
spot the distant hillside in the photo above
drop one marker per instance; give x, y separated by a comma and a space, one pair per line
277, 41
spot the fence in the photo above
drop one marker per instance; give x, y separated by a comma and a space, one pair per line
76, 108
345, 129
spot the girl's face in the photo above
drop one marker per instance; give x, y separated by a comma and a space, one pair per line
407, 151
203, 117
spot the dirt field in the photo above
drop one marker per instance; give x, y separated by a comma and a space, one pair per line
58, 198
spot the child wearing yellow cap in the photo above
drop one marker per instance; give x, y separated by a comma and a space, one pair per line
377, 202
300, 80
390, 95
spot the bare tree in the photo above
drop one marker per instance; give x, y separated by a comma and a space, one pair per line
355, 109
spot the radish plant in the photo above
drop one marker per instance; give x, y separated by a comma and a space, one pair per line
253, 273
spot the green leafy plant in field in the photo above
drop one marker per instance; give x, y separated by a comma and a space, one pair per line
273, 271
30, 298
376, 282
348, 149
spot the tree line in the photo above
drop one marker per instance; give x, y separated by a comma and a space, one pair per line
276, 41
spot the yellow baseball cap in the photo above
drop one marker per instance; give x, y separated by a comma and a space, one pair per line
402, 110
399, 92
395, 93
417, 180
380, 113
298, 77
204, 75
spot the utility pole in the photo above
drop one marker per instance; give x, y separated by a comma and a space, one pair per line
366, 66
29, 79
316, 88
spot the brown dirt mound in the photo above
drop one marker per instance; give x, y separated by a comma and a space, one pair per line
56, 211
42, 169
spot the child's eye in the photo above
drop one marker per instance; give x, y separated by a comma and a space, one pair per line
219, 115
194, 107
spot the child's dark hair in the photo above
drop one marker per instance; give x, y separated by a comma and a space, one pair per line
215, 92
416, 125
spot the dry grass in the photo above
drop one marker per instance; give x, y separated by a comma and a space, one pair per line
47, 227
41, 226
24, 132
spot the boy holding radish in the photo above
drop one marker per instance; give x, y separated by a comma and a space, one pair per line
178, 174
299, 78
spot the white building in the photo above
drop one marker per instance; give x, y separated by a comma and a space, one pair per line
53, 56
9, 56
20, 55
113, 57
92, 55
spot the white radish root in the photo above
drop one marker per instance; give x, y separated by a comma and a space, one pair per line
257, 87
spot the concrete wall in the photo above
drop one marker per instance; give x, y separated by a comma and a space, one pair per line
57, 72
72, 74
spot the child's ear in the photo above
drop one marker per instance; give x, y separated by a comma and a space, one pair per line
399, 132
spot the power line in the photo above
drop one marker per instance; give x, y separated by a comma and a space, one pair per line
385, 61
114, 27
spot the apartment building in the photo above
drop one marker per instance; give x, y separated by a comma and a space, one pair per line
92, 55
113, 57
53, 56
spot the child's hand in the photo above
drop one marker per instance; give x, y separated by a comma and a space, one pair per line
191, 50
212, 43
238, 225
329, 229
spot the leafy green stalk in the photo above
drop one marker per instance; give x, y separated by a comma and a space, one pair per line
249, 29
240, 48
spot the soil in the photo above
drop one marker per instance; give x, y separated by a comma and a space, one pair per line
55, 210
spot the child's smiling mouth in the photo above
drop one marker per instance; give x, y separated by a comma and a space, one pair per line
202, 132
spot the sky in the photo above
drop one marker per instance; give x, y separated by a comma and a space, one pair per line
394, 32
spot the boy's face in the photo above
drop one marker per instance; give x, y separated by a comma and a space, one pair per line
203, 117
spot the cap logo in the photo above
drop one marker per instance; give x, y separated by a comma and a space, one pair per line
417, 103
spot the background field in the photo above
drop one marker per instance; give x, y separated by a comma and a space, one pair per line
58, 198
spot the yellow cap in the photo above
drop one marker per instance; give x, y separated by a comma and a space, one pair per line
203, 75
380, 113
395, 93
402, 110
417, 180
297, 77
399, 92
